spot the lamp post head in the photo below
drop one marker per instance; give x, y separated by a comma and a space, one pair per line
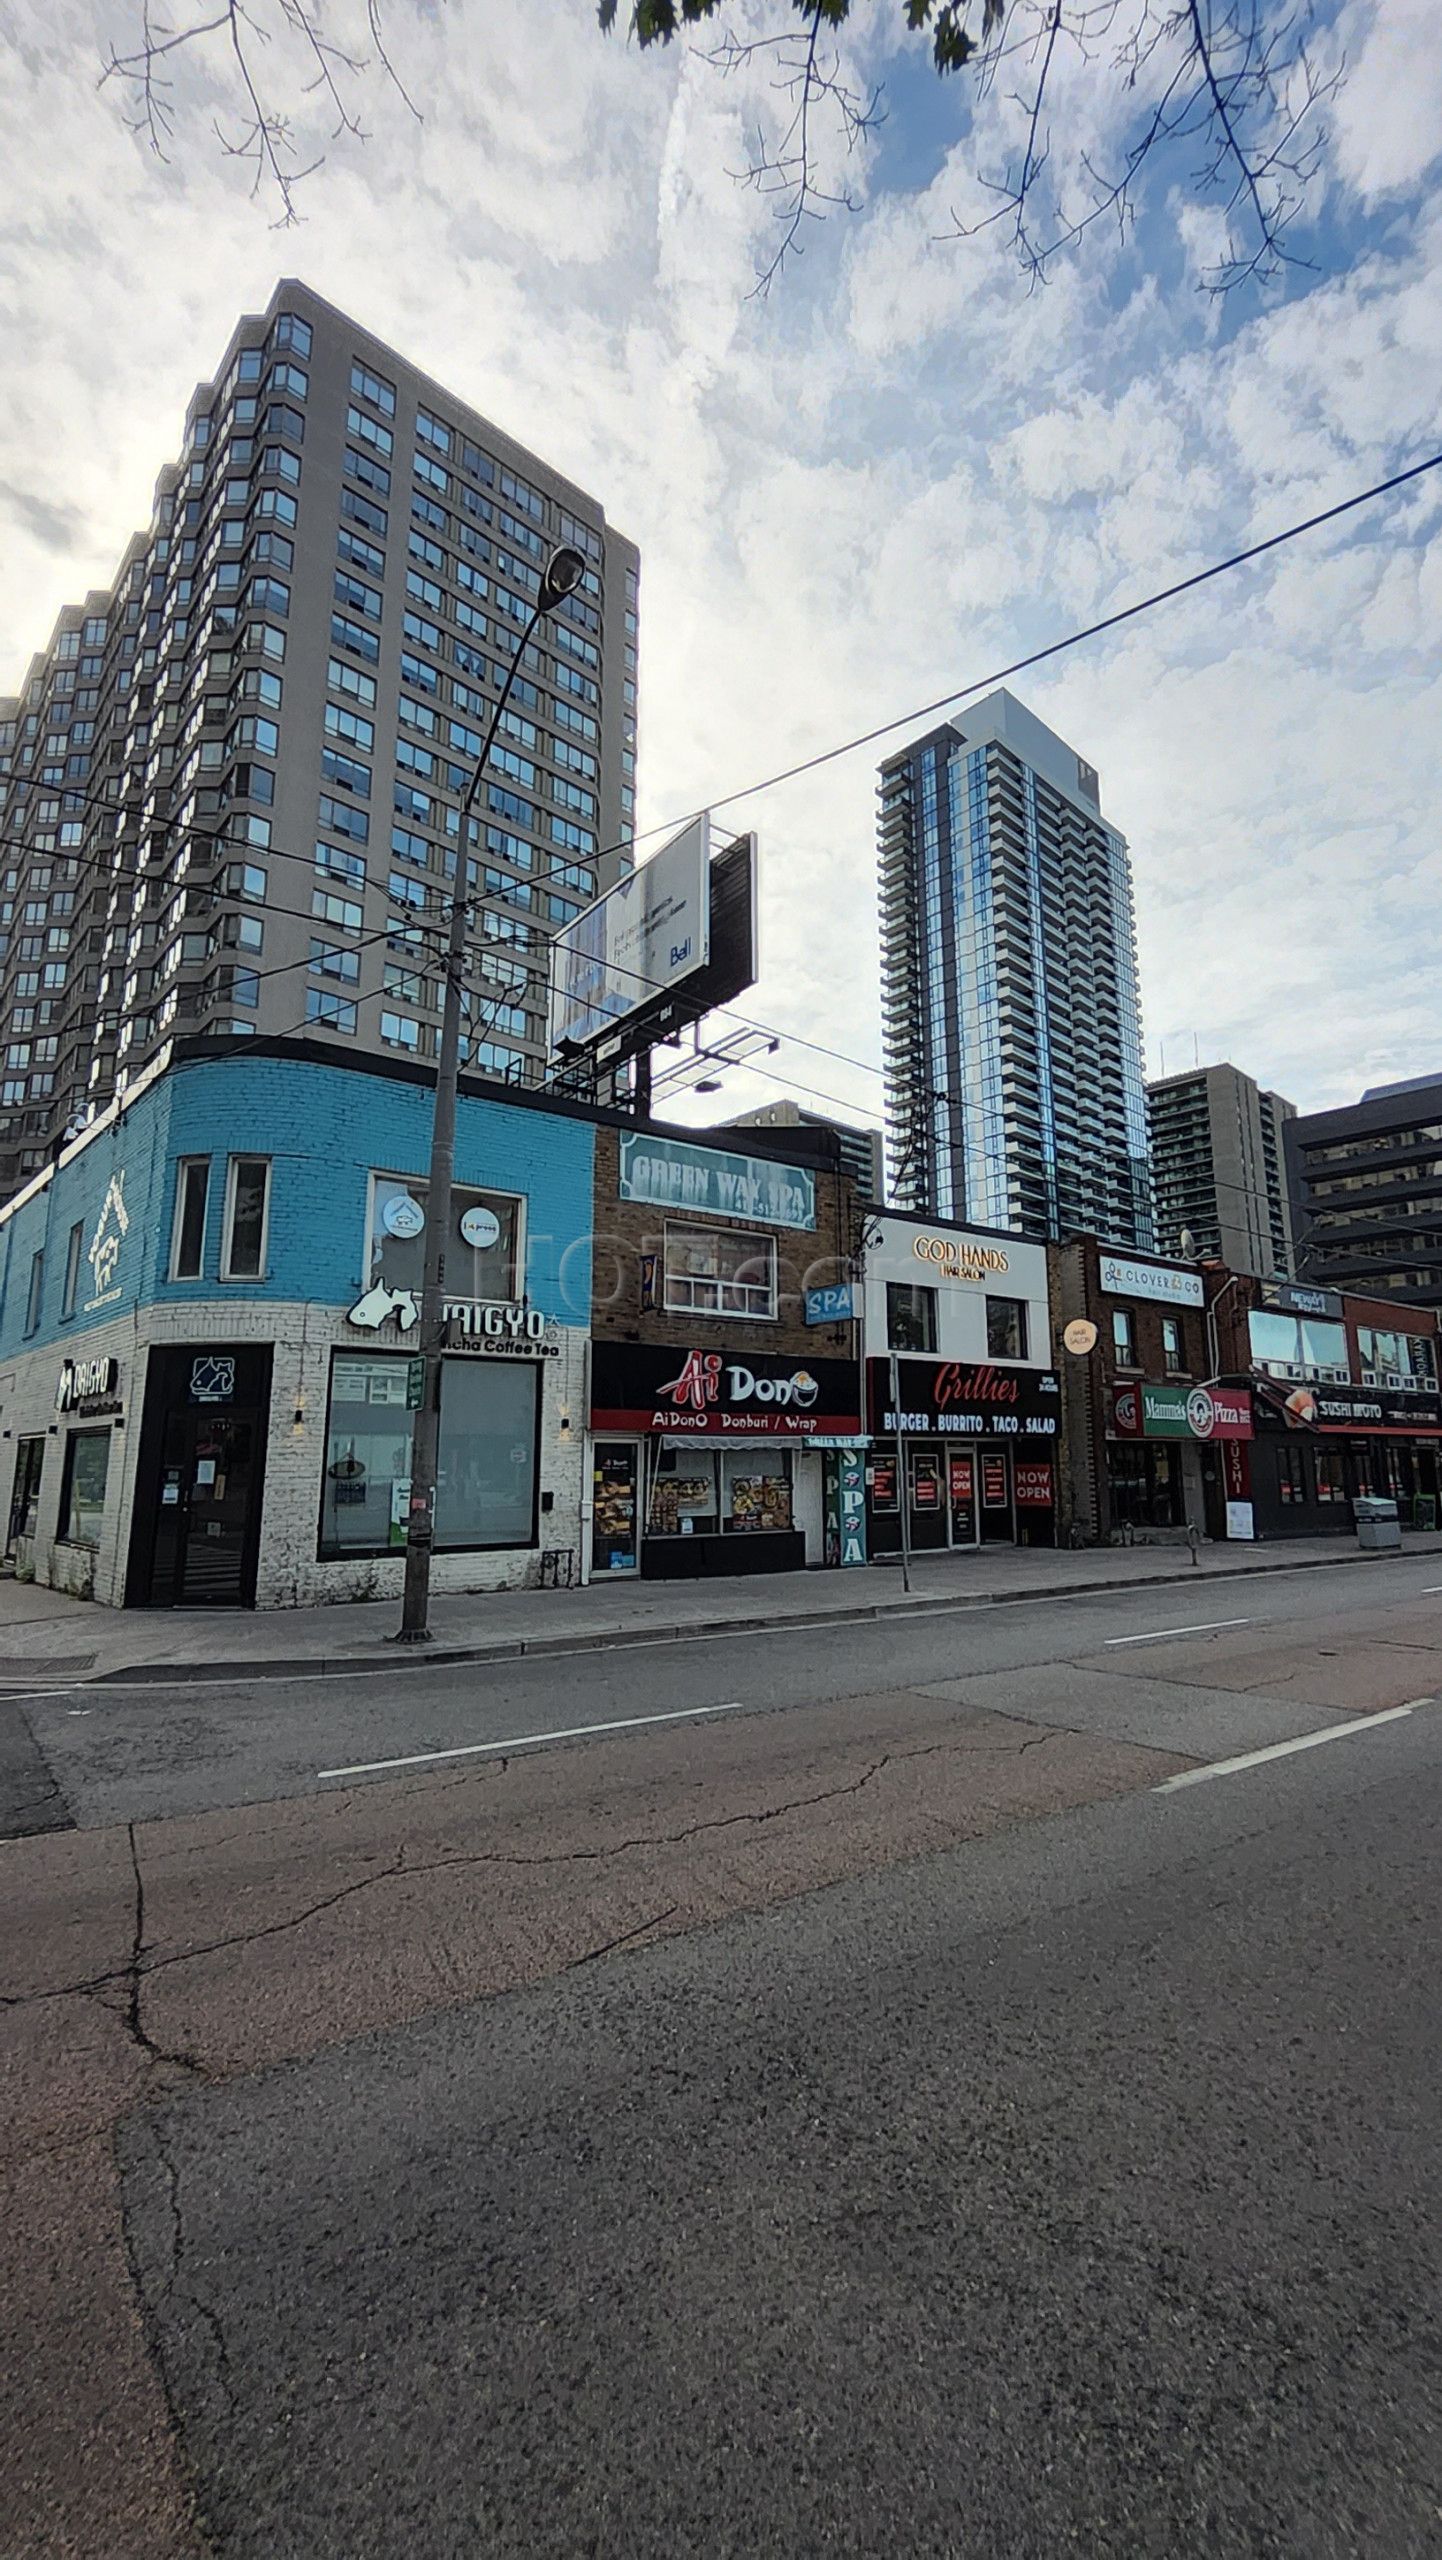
563, 574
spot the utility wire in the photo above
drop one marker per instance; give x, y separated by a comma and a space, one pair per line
869, 737
1037, 657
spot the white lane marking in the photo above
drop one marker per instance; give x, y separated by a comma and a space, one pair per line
1283, 1750
518, 1741
588, 1645
1158, 1635
1430, 1590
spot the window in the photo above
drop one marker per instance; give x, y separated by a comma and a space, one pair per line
482, 1263
352, 726
486, 1476
354, 593
1291, 1474
332, 1010
400, 1031
1328, 1466
25, 1494
910, 1317
343, 821
346, 772
36, 1291
344, 678
364, 468
374, 388
1006, 1328
1124, 1338
247, 1207
1172, 1341
367, 430
347, 913
82, 1496
716, 1271
1297, 1346
192, 1191
361, 554
73, 1251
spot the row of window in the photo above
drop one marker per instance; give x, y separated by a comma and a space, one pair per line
911, 1322
244, 1233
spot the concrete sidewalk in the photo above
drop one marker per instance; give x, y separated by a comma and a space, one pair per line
48, 1637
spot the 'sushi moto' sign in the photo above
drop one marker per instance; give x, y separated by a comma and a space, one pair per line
944, 1398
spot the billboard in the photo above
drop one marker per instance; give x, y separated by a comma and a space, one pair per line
640, 939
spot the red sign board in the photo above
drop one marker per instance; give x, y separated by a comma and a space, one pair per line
1033, 1487
1182, 1413
962, 1482
731, 1394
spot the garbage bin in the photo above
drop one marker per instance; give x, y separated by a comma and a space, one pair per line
1378, 1526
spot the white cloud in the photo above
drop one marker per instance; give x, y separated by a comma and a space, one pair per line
1389, 118
894, 474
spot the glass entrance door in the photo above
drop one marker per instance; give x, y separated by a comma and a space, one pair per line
928, 1499
203, 1524
615, 1507
961, 1488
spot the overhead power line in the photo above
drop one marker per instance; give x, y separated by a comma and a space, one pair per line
1037, 657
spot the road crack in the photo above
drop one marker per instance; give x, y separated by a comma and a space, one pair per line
138, 1970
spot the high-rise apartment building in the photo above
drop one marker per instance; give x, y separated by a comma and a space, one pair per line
862, 1151
1366, 1186
230, 787
1218, 1170
1011, 1013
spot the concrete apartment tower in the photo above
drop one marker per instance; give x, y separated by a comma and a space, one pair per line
1366, 1190
862, 1150
230, 785
1011, 1012
1219, 1169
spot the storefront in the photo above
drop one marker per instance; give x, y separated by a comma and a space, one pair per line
971, 1451
209, 1313
1165, 1458
731, 1460
1318, 1447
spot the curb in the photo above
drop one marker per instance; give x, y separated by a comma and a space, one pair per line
615, 1639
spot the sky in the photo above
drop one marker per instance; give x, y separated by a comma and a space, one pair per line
897, 469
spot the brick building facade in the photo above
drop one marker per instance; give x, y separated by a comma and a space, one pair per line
726, 1429
1149, 1435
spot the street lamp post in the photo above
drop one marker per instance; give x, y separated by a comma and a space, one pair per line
563, 574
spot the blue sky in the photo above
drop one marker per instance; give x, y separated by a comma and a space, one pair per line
897, 470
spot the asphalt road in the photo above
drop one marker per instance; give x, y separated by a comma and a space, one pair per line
97, 1754
1074, 2190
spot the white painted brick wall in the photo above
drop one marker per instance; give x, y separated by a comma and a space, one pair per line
289, 1574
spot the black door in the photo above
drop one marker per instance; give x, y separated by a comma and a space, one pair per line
195, 1535
207, 1470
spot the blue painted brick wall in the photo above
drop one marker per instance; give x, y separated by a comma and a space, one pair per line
325, 1130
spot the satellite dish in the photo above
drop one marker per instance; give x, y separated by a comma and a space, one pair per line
1188, 1243
1080, 1335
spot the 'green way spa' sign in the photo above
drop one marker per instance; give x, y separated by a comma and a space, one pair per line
664, 1174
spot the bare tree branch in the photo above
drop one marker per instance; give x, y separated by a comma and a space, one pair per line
317, 66
785, 170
